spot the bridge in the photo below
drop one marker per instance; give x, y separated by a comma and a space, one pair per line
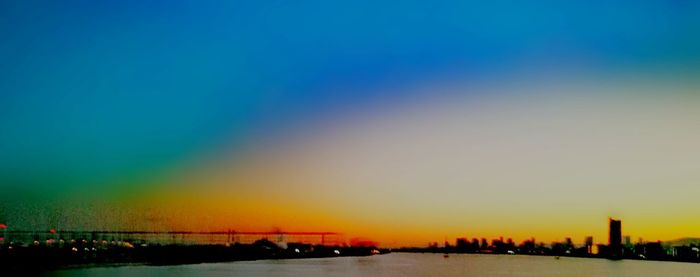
210, 237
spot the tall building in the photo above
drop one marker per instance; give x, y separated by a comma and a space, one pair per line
615, 239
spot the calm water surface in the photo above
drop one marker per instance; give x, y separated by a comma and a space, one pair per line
409, 264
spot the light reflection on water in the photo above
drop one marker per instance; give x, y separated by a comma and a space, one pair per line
409, 264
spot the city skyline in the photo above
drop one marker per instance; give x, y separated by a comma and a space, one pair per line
613, 247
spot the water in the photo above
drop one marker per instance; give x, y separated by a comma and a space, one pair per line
409, 264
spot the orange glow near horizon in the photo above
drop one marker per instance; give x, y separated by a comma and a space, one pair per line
512, 165
516, 167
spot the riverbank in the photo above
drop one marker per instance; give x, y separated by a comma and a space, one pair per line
36, 258
446, 253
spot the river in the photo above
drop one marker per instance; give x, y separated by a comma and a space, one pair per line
408, 264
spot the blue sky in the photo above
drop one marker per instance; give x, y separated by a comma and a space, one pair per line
92, 93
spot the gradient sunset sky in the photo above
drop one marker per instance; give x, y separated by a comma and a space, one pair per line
402, 122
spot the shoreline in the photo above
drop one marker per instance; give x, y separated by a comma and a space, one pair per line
543, 254
45, 259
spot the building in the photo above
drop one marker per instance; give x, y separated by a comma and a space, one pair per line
615, 239
589, 245
628, 241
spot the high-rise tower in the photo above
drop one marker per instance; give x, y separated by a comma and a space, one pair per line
615, 239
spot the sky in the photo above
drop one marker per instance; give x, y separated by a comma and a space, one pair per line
401, 122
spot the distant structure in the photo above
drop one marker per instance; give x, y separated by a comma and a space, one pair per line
589, 245
628, 241
615, 239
